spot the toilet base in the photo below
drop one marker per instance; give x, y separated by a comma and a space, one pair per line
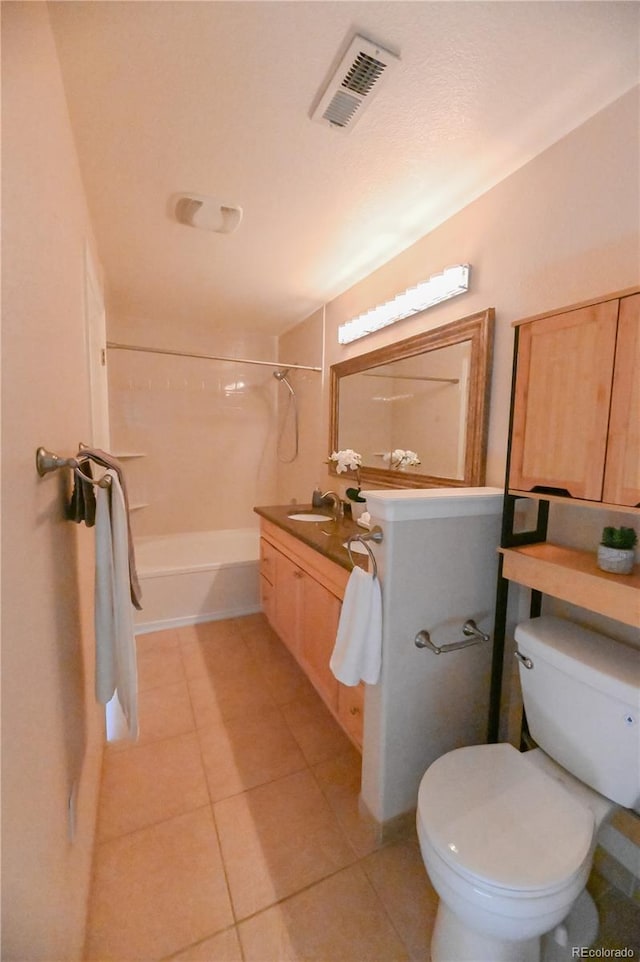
453, 942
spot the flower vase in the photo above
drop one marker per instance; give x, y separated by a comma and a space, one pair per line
358, 508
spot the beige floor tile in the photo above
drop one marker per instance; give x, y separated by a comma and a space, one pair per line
619, 923
247, 751
157, 890
149, 783
159, 667
338, 920
398, 875
162, 713
314, 728
276, 839
284, 678
208, 659
224, 947
157, 641
340, 779
218, 634
227, 695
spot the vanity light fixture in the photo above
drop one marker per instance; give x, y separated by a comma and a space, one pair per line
439, 287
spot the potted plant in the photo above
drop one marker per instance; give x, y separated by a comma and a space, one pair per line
350, 460
616, 550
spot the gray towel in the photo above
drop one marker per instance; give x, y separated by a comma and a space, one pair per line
82, 506
107, 460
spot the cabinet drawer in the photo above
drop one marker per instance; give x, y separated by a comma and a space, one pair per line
268, 555
351, 710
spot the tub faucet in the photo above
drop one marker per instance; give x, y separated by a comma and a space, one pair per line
338, 507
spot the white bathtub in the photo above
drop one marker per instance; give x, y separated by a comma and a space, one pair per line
197, 576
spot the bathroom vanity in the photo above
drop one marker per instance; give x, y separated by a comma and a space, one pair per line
304, 569
437, 564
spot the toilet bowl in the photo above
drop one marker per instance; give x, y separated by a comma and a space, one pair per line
508, 850
508, 837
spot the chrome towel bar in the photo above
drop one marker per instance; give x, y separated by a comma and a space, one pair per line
473, 636
46, 462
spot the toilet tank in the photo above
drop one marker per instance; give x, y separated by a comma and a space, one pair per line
582, 702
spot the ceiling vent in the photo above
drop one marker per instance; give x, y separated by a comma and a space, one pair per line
360, 74
207, 213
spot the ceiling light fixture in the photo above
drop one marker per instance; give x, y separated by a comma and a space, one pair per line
207, 213
439, 287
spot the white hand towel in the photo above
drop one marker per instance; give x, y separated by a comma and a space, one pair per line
357, 654
116, 668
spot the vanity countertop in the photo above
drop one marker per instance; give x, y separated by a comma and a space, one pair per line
328, 538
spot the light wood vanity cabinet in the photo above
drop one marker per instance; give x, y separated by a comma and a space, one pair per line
576, 403
302, 594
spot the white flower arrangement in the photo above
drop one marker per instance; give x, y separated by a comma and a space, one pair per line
400, 459
347, 460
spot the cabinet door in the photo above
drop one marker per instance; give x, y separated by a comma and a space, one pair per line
351, 710
287, 603
318, 629
561, 411
622, 474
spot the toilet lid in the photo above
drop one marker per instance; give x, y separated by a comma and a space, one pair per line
494, 817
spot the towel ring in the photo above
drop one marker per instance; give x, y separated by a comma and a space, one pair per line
374, 535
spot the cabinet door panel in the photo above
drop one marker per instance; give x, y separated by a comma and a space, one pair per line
622, 475
351, 710
319, 626
563, 390
287, 601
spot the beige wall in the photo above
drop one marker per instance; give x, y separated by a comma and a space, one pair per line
561, 229
51, 726
207, 428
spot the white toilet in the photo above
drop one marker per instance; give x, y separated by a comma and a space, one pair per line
507, 837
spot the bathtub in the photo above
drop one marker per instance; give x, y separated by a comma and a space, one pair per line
197, 576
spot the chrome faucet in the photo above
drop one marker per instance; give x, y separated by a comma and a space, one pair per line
338, 507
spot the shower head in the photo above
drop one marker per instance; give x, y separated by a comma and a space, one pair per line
281, 376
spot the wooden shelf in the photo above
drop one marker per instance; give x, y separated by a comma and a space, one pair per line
577, 502
574, 576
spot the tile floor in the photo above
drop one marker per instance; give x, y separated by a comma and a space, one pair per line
231, 833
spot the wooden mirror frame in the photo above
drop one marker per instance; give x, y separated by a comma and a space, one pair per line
476, 328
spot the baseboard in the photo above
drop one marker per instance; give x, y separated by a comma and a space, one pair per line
166, 623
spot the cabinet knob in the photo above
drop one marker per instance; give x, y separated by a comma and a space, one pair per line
354, 711
298, 574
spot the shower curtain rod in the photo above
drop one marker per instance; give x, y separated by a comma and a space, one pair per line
209, 357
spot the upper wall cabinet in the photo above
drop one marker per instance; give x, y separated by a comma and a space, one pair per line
576, 424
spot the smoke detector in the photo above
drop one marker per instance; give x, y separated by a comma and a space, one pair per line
357, 79
207, 213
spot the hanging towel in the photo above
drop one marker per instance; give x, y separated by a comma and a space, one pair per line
82, 506
357, 653
108, 461
116, 671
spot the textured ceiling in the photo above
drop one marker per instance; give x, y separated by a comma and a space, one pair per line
215, 98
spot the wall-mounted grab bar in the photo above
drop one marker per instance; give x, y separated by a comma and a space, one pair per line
374, 535
471, 631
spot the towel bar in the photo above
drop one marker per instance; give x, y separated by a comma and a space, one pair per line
46, 462
374, 535
469, 629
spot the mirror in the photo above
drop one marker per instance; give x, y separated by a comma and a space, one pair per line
427, 395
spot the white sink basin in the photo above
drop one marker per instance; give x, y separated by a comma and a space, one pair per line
307, 516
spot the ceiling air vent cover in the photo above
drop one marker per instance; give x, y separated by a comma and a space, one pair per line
359, 76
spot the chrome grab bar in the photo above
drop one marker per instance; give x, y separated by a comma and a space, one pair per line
374, 535
469, 629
